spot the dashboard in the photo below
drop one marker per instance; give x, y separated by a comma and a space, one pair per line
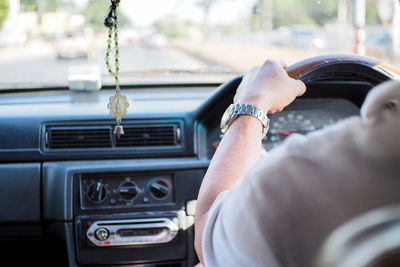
72, 194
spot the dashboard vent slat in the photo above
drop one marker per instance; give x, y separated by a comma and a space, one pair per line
157, 135
79, 137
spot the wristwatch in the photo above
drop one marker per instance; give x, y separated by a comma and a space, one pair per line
234, 110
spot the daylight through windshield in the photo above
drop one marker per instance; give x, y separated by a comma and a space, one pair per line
46, 42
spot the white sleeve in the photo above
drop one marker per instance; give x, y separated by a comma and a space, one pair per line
225, 232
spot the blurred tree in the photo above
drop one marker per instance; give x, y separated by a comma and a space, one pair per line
3, 11
206, 6
321, 11
171, 26
318, 12
51, 5
288, 12
29, 5
262, 15
95, 12
372, 16
32, 5
304, 12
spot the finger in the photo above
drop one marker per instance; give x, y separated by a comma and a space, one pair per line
272, 111
283, 64
301, 87
277, 62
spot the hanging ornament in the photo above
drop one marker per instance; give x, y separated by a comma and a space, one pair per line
118, 104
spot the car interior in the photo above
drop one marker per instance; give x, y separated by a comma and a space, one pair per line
72, 193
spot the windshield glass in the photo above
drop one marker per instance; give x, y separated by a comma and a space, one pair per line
45, 43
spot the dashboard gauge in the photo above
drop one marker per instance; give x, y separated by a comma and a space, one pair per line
285, 124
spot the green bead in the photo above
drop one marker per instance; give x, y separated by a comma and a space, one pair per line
116, 64
109, 67
109, 41
117, 82
116, 47
116, 55
108, 49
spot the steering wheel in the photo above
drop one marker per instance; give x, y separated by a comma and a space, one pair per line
326, 72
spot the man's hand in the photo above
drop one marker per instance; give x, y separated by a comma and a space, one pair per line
269, 87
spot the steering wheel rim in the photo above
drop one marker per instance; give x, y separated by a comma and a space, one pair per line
302, 70
298, 69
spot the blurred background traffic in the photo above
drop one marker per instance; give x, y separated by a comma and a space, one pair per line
43, 41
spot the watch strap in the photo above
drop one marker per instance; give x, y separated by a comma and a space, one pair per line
246, 109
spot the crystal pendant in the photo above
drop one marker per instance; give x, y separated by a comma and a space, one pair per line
118, 106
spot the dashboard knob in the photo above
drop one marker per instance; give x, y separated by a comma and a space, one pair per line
159, 189
101, 234
97, 191
128, 190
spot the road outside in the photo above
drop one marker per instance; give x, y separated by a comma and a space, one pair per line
37, 61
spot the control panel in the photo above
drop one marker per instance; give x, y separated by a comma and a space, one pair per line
119, 191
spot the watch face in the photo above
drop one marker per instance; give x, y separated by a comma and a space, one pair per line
226, 116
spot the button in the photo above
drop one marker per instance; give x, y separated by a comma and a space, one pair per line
101, 234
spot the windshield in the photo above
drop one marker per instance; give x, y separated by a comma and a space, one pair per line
46, 43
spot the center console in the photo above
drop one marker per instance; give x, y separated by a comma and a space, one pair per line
126, 213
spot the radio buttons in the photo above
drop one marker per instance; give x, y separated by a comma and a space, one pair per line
101, 234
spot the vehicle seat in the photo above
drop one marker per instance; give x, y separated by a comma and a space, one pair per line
369, 240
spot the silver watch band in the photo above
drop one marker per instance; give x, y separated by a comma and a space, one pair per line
247, 109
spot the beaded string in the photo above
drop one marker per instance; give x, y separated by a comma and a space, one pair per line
118, 104
112, 19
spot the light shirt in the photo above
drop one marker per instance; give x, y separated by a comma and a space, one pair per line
280, 213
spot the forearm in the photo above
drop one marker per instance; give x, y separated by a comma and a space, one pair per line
239, 149
270, 89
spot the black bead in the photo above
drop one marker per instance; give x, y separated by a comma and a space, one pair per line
109, 20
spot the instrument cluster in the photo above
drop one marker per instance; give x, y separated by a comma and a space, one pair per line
301, 117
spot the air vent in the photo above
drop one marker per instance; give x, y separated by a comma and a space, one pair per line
157, 135
79, 137
100, 136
